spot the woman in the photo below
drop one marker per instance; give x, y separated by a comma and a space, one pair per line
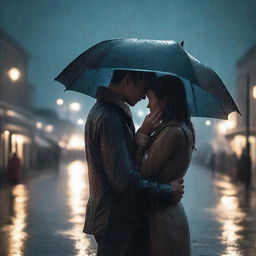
164, 149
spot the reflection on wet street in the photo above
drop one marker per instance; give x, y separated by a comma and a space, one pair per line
222, 215
15, 227
45, 216
236, 212
77, 195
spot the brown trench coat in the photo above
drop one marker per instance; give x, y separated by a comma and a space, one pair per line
165, 157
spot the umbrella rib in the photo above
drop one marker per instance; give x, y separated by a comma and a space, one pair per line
195, 106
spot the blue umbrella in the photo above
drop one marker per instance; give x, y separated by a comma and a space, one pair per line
206, 93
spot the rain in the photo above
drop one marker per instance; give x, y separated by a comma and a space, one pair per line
42, 208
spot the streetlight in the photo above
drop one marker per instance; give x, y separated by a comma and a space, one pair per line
39, 125
60, 102
14, 74
208, 122
80, 121
49, 128
75, 106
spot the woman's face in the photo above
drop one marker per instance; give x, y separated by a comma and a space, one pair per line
153, 102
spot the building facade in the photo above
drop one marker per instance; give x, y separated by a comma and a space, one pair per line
235, 130
17, 123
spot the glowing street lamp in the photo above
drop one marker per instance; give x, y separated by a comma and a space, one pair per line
6, 133
14, 74
60, 102
75, 106
39, 125
49, 128
208, 122
80, 121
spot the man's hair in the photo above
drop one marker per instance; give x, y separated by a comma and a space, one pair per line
118, 76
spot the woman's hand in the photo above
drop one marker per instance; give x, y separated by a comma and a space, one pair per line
151, 122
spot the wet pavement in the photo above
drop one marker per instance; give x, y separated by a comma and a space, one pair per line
45, 216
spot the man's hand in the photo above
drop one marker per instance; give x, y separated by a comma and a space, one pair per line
178, 190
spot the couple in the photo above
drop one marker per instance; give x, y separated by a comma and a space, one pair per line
136, 179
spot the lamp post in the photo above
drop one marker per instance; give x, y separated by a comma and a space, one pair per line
247, 147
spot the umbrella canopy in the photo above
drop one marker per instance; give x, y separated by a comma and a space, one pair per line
207, 95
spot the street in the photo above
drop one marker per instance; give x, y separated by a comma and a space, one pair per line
45, 216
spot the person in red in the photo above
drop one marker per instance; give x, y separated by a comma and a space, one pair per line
14, 169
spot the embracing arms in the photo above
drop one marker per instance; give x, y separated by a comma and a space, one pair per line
116, 144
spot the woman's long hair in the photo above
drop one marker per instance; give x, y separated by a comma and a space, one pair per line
171, 89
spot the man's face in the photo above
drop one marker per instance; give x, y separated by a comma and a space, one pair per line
135, 92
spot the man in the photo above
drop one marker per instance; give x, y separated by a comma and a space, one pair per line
114, 213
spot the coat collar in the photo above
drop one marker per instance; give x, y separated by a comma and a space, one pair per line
106, 95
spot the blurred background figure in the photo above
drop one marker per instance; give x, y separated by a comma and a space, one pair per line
14, 169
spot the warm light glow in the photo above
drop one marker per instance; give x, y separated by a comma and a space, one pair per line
16, 230
49, 128
13, 143
14, 74
76, 142
80, 121
19, 139
230, 202
208, 122
140, 113
39, 125
75, 106
77, 195
254, 91
62, 144
6, 133
59, 102
238, 143
11, 113
222, 127
229, 215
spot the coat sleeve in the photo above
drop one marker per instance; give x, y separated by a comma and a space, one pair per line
119, 163
141, 141
162, 158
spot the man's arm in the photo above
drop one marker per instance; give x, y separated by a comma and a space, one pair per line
119, 163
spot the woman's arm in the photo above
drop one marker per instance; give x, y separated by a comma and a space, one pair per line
163, 152
141, 141
142, 136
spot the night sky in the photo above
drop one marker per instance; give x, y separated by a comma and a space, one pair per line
54, 32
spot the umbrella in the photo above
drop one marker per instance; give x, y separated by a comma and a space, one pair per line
206, 93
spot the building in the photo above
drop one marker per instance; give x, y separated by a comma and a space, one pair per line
234, 130
37, 136
17, 123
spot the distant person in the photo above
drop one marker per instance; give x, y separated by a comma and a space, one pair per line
14, 169
244, 168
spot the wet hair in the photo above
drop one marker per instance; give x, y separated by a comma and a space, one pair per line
136, 76
171, 89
